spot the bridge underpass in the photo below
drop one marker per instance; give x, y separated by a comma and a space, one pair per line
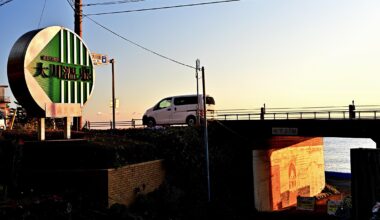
291, 138
330, 121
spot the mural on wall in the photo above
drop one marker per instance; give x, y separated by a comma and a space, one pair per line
296, 171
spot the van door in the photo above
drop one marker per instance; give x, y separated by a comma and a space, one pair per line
183, 107
162, 112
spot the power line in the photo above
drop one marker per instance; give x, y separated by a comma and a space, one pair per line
112, 2
166, 7
42, 12
5, 2
134, 43
140, 46
71, 4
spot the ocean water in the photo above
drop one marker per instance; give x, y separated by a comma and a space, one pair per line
337, 152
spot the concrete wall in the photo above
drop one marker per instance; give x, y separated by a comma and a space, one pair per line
99, 187
282, 174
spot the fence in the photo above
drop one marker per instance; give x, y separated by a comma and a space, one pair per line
315, 113
364, 112
134, 123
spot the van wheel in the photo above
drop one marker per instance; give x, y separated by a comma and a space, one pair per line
190, 121
151, 122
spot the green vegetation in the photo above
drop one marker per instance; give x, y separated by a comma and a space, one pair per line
184, 194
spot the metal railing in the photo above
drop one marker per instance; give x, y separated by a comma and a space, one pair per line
134, 123
313, 113
368, 112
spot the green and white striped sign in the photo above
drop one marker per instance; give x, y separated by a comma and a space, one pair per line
57, 72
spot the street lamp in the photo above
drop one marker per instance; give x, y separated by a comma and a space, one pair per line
197, 67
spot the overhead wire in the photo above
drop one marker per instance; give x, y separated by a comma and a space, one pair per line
165, 7
140, 46
42, 12
134, 43
5, 2
71, 4
111, 3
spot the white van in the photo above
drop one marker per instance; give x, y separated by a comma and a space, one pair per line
178, 110
2, 121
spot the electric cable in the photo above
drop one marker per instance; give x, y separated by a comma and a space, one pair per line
160, 8
134, 43
5, 2
71, 4
140, 46
42, 12
111, 3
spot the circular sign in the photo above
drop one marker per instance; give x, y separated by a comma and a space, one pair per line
50, 69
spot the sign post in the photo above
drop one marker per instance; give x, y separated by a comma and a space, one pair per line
41, 129
100, 59
50, 73
67, 128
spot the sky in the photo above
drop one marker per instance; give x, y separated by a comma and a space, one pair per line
284, 53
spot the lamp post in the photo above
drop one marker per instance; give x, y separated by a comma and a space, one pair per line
112, 61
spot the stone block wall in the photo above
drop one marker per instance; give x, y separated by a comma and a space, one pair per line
99, 188
125, 183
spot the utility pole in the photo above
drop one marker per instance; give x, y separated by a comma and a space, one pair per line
112, 61
205, 135
78, 30
78, 17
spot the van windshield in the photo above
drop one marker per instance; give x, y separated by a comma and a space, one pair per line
165, 103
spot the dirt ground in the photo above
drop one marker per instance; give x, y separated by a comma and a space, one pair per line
320, 212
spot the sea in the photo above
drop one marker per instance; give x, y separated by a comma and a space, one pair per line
337, 152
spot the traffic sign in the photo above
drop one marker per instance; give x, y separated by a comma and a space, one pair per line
99, 59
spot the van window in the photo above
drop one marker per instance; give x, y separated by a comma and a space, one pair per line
185, 100
210, 100
164, 103
189, 100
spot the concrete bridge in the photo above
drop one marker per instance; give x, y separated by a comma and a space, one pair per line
307, 122
287, 149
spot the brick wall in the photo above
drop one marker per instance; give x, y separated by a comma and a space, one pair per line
125, 183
